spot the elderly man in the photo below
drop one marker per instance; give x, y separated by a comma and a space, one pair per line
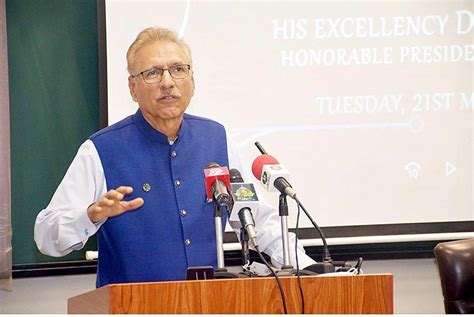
139, 183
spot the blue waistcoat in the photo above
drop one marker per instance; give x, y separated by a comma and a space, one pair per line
174, 228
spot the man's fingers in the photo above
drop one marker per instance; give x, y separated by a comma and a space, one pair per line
113, 195
132, 204
95, 208
119, 193
106, 202
125, 190
112, 204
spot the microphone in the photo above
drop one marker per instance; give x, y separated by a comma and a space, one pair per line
217, 181
248, 224
245, 201
235, 176
272, 175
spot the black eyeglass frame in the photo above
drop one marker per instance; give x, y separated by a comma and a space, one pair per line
162, 72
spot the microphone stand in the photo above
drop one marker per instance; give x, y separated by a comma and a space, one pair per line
221, 271
219, 239
287, 269
244, 241
283, 212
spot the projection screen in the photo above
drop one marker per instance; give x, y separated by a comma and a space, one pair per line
369, 104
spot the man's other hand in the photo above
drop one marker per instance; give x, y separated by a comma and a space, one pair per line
112, 204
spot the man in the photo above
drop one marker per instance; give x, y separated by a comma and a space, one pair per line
139, 183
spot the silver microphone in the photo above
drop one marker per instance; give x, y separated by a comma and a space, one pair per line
246, 219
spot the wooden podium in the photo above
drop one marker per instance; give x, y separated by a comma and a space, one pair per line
363, 294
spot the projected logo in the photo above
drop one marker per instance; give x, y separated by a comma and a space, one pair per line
413, 170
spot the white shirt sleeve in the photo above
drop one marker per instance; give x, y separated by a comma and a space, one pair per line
267, 221
64, 226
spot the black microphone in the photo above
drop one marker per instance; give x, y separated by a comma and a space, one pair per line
235, 176
240, 193
245, 202
248, 224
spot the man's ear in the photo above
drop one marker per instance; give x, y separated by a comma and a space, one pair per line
131, 86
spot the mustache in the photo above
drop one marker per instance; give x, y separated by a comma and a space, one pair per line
169, 93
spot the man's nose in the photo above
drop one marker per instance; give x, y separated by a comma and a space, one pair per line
166, 80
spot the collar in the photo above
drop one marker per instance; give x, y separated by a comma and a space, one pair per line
155, 135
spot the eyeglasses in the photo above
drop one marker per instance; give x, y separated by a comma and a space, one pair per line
154, 75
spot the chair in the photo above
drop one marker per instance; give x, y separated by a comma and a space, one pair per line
456, 269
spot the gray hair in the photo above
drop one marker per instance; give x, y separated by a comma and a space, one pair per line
152, 35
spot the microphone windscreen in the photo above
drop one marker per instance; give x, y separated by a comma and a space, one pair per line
259, 162
214, 173
235, 176
212, 164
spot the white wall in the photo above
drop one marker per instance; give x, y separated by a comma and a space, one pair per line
417, 288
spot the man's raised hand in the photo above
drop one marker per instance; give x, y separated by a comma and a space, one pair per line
112, 204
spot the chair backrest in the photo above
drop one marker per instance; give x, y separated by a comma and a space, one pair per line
456, 269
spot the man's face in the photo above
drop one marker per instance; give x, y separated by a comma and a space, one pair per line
168, 99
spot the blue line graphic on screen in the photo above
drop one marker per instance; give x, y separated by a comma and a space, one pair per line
415, 124
185, 20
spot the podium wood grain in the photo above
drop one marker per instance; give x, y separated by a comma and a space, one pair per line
364, 294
